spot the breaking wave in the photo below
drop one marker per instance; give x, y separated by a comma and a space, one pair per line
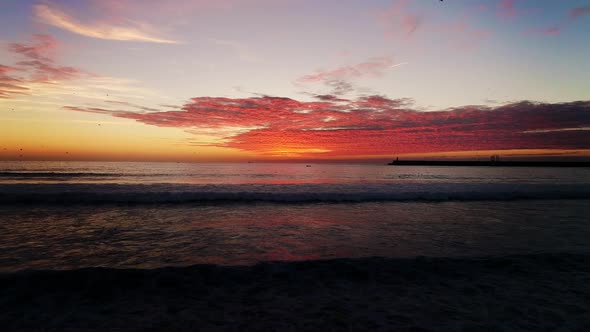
280, 193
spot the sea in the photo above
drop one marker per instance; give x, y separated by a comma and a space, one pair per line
71, 215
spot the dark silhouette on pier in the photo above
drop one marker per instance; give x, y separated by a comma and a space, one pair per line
494, 161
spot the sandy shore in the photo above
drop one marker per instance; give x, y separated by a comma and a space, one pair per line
542, 292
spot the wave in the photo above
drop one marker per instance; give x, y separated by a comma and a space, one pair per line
293, 193
56, 174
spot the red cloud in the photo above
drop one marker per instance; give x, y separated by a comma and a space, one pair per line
38, 67
373, 125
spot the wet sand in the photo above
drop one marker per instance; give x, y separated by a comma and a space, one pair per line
514, 293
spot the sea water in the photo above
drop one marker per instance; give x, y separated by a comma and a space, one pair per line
66, 215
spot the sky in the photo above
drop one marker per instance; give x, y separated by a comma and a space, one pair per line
314, 80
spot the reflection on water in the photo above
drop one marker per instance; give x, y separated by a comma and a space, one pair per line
154, 236
274, 173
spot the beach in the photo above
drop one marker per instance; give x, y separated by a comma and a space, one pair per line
543, 292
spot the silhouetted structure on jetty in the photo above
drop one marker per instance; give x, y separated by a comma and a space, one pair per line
494, 161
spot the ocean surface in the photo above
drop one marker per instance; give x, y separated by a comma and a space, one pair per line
68, 215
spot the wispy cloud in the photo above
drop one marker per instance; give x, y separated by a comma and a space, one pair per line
507, 10
37, 73
578, 12
552, 30
399, 64
400, 20
39, 61
371, 67
40, 49
101, 29
131, 105
372, 125
36, 67
10, 85
573, 15
338, 79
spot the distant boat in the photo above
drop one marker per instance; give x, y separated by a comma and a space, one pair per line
307, 165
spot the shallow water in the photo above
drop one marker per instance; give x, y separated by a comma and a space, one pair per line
150, 236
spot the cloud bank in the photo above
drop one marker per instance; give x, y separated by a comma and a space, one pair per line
374, 125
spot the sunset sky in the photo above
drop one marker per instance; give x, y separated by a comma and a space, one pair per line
237, 80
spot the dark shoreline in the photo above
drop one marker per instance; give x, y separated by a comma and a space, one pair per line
525, 292
490, 163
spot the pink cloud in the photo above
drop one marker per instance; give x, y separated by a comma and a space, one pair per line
399, 20
40, 49
507, 10
574, 14
39, 62
10, 86
552, 31
373, 125
578, 12
45, 71
10, 90
37, 66
4, 70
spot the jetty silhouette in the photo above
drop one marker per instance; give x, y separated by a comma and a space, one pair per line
494, 162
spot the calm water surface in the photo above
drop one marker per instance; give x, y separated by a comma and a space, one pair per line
274, 173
